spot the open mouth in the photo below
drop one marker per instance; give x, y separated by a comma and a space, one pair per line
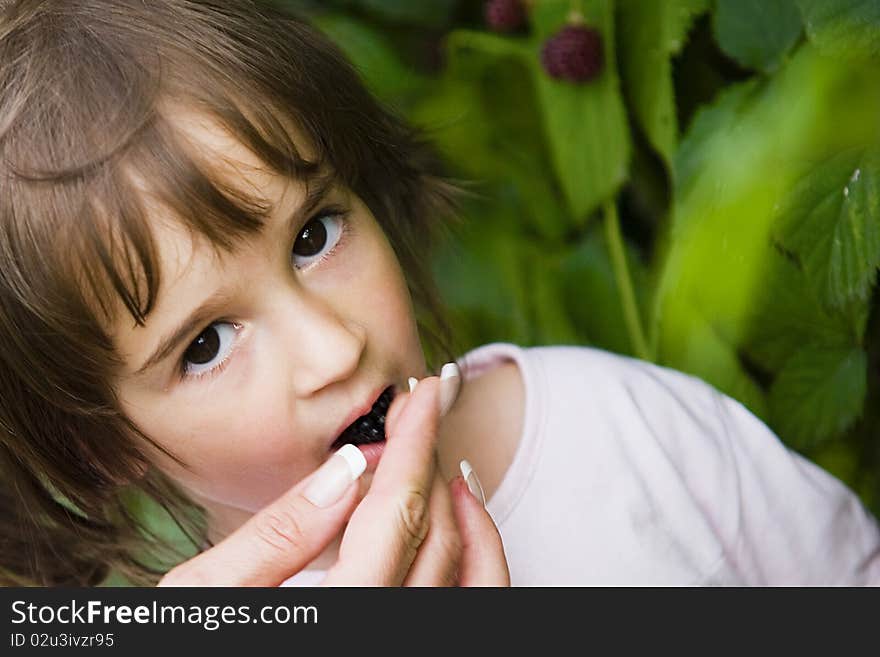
370, 427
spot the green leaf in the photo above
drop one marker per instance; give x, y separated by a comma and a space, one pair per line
757, 33
379, 65
585, 124
480, 271
787, 314
482, 114
709, 125
844, 28
830, 223
650, 34
738, 161
550, 317
426, 13
591, 294
819, 393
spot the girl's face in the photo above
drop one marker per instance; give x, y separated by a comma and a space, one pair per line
273, 347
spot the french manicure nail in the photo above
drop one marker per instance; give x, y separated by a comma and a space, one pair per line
450, 383
334, 477
413, 382
473, 482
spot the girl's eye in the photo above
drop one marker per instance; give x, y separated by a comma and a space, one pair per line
318, 238
210, 349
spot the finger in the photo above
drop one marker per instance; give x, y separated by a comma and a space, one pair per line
482, 560
438, 559
408, 457
394, 411
388, 527
282, 538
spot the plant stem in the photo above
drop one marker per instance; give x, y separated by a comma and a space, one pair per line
624, 282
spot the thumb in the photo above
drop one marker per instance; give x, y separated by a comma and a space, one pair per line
285, 536
394, 411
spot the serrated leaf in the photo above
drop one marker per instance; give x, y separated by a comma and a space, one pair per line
709, 124
787, 314
739, 159
830, 223
818, 394
650, 34
757, 33
585, 124
845, 28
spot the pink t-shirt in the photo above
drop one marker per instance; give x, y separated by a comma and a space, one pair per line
628, 473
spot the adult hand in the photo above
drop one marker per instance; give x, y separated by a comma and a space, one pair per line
409, 528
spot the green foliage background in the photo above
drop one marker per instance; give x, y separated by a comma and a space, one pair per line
709, 203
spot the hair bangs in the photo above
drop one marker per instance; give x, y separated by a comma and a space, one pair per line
162, 174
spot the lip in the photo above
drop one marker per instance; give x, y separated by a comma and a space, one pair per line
357, 411
372, 453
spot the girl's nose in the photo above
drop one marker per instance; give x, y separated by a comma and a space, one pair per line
323, 347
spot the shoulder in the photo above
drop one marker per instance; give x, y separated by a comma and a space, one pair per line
617, 403
641, 421
657, 417
611, 445
581, 379
615, 383
628, 414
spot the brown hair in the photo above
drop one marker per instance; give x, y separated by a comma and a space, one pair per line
89, 89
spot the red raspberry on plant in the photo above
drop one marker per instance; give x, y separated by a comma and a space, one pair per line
505, 15
574, 54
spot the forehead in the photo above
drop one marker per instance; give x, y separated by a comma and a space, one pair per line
229, 161
188, 262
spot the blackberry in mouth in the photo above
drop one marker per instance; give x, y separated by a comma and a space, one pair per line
368, 428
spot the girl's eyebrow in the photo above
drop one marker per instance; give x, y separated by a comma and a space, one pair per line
196, 319
207, 309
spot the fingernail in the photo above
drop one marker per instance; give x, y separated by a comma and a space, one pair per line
473, 482
334, 477
413, 382
450, 383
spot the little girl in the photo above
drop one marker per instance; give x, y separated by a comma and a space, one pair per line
214, 247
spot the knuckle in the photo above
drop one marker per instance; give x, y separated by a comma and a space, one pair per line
280, 530
450, 577
448, 545
453, 548
450, 548
412, 512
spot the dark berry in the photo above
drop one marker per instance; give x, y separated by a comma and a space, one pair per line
574, 54
505, 15
368, 428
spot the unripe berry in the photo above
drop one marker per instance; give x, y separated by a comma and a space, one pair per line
574, 54
505, 15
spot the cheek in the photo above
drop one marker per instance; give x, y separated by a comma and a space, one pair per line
385, 306
244, 459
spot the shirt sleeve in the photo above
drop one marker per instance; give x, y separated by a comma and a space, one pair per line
788, 522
